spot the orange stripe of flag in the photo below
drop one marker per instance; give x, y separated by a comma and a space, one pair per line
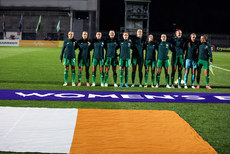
135, 131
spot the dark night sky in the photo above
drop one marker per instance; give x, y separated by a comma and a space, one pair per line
199, 16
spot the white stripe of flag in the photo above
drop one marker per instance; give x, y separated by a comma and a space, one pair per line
37, 129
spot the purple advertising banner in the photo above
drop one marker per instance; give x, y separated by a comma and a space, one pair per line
114, 96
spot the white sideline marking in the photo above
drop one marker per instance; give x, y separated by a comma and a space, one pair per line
221, 68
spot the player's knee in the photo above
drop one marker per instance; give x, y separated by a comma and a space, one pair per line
66, 68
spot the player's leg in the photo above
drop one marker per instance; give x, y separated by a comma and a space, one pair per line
101, 72
173, 75
193, 78
106, 75
187, 66
80, 68
167, 76
194, 67
126, 76
73, 64
186, 78
199, 67
114, 68
166, 68
73, 75
153, 73
159, 66
94, 75
146, 74
87, 75
107, 67
158, 77
127, 66
66, 69
198, 78
174, 67
140, 66
134, 66
180, 68
121, 65
87, 65
207, 77
121, 76
94, 72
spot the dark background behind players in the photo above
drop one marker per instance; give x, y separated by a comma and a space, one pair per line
190, 16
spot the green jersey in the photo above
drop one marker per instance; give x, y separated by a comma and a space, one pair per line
150, 48
111, 46
163, 50
125, 46
137, 47
192, 50
205, 52
98, 46
177, 46
68, 49
84, 49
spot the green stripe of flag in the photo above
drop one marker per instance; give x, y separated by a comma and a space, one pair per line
39, 23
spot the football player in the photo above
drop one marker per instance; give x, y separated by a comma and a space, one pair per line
84, 57
68, 50
124, 58
177, 57
98, 58
204, 59
150, 60
137, 56
111, 46
163, 60
191, 58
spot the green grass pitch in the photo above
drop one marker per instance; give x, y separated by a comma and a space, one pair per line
39, 68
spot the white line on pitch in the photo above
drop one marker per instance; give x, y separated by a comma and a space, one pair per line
221, 68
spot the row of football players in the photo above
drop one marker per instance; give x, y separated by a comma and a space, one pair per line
197, 55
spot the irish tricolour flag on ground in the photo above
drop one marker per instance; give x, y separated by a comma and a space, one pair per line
82, 131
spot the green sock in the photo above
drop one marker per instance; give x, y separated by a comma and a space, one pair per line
172, 78
126, 76
158, 78
79, 77
73, 76
153, 77
106, 77
102, 77
65, 76
115, 77
93, 77
121, 76
146, 77
167, 79
179, 78
207, 80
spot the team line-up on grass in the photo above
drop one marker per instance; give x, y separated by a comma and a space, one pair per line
197, 55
